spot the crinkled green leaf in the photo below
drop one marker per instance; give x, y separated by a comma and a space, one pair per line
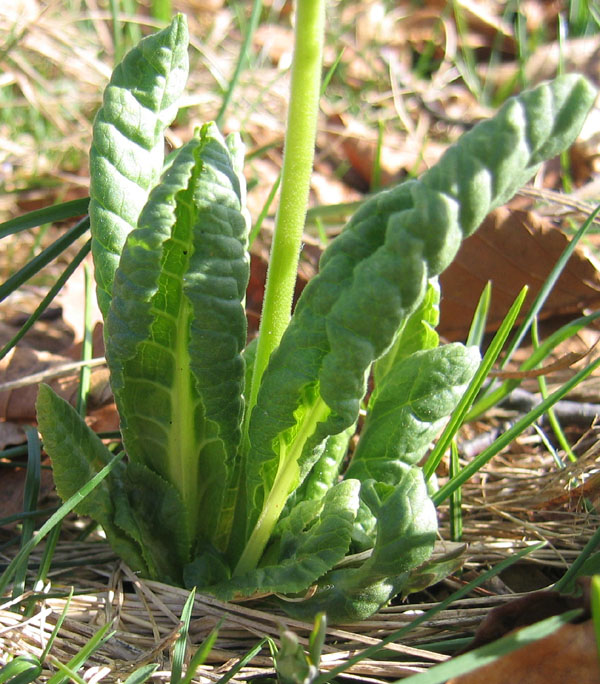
127, 150
416, 333
375, 274
416, 396
304, 554
436, 569
151, 511
176, 329
77, 455
325, 473
406, 530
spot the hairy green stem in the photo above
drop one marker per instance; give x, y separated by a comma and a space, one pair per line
295, 182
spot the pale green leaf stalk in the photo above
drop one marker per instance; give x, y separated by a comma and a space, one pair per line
127, 152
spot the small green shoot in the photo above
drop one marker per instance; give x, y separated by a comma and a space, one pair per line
180, 649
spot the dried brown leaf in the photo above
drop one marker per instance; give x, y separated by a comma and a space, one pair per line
511, 249
568, 656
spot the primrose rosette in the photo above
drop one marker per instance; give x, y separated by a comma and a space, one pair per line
275, 504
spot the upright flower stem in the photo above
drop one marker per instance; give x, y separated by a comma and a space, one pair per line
295, 183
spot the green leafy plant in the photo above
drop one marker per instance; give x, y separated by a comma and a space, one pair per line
237, 479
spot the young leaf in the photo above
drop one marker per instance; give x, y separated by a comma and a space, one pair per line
127, 150
177, 326
310, 546
406, 529
416, 396
325, 472
417, 333
375, 274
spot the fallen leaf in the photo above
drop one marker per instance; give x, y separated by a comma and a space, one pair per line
350, 141
276, 41
514, 248
12, 485
568, 656
17, 404
527, 610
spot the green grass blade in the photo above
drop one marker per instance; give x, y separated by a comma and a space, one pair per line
334, 213
241, 62
254, 651
456, 526
9, 519
87, 344
52, 214
43, 259
264, 211
57, 626
478, 462
376, 171
477, 329
69, 674
538, 355
595, 604
62, 512
461, 411
48, 299
182, 640
116, 30
48, 554
69, 670
21, 670
30, 498
552, 418
201, 653
161, 10
142, 675
566, 581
